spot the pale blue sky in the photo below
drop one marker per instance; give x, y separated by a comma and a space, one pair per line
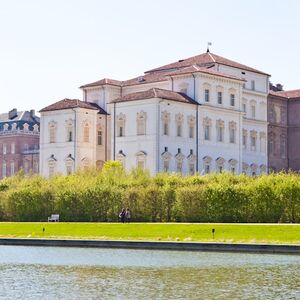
48, 48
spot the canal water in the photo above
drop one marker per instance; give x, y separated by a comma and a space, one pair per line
85, 273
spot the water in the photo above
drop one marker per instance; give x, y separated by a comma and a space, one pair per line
85, 273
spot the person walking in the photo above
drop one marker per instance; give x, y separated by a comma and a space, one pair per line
127, 215
122, 215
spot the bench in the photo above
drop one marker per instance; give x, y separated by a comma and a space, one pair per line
53, 218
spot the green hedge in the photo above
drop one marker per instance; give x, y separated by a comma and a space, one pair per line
93, 196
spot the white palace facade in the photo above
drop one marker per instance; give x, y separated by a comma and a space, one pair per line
201, 114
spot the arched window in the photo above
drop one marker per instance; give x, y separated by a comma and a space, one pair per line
121, 118
69, 130
220, 164
220, 130
165, 117
207, 164
179, 122
232, 132
141, 118
207, 128
52, 131
141, 160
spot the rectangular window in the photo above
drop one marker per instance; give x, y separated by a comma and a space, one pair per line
206, 95
121, 133
232, 136
141, 164
4, 149
4, 170
220, 134
166, 165
244, 107
244, 141
51, 171
179, 129
69, 169
207, 169
12, 168
99, 137
253, 143
166, 129
219, 97
191, 132
179, 166
86, 134
253, 111
13, 150
191, 168
282, 149
252, 85
207, 133
232, 99
70, 135
52, 135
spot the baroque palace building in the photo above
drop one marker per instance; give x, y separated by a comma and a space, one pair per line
19, 142
201, 114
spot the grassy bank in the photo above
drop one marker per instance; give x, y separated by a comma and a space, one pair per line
228, 233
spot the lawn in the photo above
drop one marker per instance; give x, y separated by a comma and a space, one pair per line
225, 233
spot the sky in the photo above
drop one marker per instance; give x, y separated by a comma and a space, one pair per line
48, 48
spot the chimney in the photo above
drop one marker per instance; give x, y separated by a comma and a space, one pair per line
32, 112
279, 87
12, 113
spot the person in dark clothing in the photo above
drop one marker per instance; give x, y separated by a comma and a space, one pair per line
127, 215
122, 215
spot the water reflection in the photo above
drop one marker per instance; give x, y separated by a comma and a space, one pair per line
78, 273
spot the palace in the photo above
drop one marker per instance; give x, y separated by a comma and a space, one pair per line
201, 114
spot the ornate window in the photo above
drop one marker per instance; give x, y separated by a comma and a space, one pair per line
69, 130
36, 166
35, 127
253, 137
232, 132
206, 87
141, 160
14, 126
253, 169
262, 140
69, 162
166, 158
245, 135
179, 122
220, 130
220, 94
179, 161
206, 128
121, 157
165, 117
263, 169
253, 109
232, 165
121, 119
86, 131
191, 162
13, 148
191, 124
207, 164
244, 105
52, 126
12, 168
245, 168
26, 166
4, 169
271, 143
141, 118
220, 164
52, 165
26, 127
99, 137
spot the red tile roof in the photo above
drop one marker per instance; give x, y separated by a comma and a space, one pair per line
205, 59
195, 69
156, 93
287, 94
103, 82
72, 103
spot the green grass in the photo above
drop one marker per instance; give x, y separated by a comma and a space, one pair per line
226, 233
